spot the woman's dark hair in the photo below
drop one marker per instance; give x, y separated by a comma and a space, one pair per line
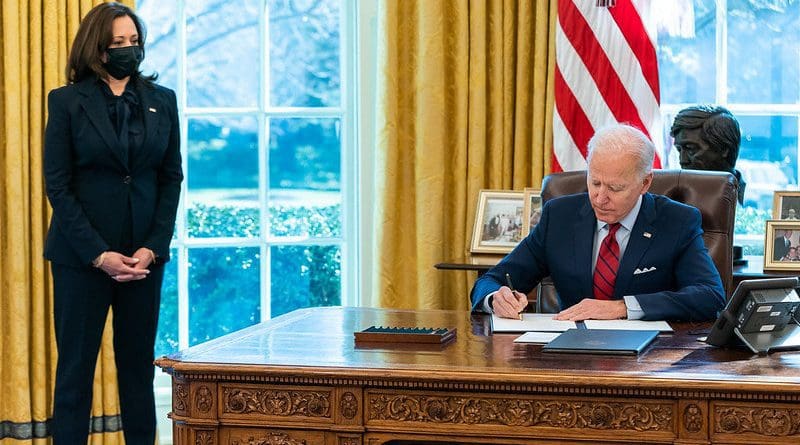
94, 36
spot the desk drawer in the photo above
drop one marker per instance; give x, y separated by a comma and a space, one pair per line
748, 423
257, 436
512, 415
276, 404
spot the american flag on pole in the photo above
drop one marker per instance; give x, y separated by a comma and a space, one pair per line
606, 72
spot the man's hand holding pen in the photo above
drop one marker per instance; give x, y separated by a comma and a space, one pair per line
509, 303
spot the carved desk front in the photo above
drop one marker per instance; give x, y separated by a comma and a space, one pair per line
301, 379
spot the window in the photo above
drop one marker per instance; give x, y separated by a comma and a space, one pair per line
266, 218
745, 56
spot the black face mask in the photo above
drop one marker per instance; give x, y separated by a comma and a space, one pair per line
123, 62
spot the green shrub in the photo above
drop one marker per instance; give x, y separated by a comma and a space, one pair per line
224, 282
750, 221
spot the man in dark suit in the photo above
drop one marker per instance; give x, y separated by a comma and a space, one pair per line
654, 266
782, 245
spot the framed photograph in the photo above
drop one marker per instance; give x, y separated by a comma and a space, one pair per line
782, 245
786, 205
532, 210
498, 221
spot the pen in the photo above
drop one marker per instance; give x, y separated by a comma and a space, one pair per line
511, 286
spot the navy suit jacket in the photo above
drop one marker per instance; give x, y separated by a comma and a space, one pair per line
666, 237
91, 185
781, 248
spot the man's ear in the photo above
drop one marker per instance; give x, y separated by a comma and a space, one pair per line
647, 182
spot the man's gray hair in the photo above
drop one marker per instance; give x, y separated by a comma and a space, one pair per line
622, 139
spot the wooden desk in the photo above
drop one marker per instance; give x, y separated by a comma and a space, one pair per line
300, 379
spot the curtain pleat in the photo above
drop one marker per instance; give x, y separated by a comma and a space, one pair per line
465, 104
35, 37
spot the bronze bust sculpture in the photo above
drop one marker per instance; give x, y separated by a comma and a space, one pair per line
707, 138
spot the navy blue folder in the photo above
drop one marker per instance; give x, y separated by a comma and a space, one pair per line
601, 341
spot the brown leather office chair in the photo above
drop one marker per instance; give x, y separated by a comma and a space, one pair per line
711, 192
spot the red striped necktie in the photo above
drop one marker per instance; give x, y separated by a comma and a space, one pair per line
605, 271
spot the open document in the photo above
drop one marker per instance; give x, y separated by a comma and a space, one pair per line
531, 322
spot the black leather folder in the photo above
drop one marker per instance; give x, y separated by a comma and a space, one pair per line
601, 341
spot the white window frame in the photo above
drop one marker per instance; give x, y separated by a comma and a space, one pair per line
348, 242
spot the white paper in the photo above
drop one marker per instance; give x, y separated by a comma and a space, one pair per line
531, 322
536, 337
634, 325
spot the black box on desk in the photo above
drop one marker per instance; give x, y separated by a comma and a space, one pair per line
767, 310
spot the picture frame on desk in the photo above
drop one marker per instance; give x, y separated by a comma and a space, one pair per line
498, 221
532, 211
782, 245
786, 205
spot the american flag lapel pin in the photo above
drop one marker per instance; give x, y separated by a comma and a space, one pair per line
647, 235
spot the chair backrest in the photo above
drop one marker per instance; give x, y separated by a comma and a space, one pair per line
711, 192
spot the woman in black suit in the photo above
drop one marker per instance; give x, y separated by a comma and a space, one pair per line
112, 169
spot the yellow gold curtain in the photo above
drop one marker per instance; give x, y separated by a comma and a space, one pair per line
35, 38
466, 103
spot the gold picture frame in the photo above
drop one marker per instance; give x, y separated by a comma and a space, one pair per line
532, 210
498, 221
786, 205
782, 245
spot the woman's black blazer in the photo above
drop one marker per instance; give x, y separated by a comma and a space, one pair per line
89, 184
